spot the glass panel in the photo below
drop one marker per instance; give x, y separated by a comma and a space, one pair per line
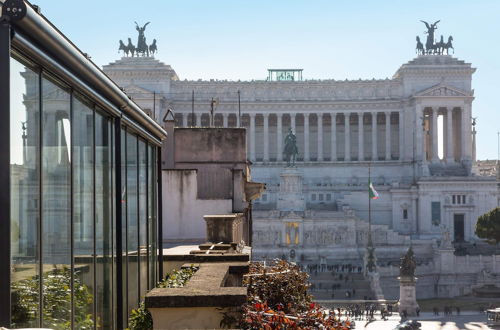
124, 224
143, 218
24, 176
83, 212
56, 206
152, 217
132, 222
103, 221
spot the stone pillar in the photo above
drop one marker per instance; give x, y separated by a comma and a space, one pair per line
279, 137
449, 135
198, 120
387, 135
419, 133
320, 137
401, 125
292, 123
333, 156
266, 137
435, 155
238, 121
414, 220
407, 295
347, 125
374, 136
306, 137
466, 133
361, 141
252, 136
225, 119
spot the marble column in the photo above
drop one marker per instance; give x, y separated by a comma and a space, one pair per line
225, 119
449, 135
466, 154
266, 137
279, 137
320, 137
306, 137
401, 125
435, 155
292, 123
198, 120
333, 136
238, 121
252, 136
387, 135
374, 137
361, 140
347, 126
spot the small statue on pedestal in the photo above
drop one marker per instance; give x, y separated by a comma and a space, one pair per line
408, 264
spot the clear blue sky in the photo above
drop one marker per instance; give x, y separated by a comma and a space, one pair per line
241, 39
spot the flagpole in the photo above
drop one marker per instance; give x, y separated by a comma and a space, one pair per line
369, 205
370, 260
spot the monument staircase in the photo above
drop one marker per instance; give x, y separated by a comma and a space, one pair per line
333, 285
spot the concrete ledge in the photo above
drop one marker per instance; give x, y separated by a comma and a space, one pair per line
205, 289
208, 258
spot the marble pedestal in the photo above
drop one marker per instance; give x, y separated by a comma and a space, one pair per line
290, 196
407, 295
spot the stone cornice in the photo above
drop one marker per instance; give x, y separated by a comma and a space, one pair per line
298, 106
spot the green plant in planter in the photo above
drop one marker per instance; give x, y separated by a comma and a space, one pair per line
177, 278
56, 296
140, 318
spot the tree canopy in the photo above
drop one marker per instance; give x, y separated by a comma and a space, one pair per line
488, 226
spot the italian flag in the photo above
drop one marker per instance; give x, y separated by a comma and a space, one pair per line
371, 191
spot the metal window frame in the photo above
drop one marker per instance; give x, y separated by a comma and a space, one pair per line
5, 195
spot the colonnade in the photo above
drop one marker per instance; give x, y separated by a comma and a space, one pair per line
334, 135
331, 123
454, 134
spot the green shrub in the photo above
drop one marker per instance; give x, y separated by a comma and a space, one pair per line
488, 226
56, 295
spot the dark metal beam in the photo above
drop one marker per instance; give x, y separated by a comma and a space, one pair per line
5, 300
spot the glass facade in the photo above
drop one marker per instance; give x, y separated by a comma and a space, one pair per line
63, 238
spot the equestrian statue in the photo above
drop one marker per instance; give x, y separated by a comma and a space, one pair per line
291, 150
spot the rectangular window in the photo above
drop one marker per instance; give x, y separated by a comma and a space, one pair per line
104, 220
83, 201
56, 205
454, 199
313, 197
123, 195
436, 213
320, 197
132, 222
152, 215
143, 213
405, 214
463, 199
328, 197
24, 194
